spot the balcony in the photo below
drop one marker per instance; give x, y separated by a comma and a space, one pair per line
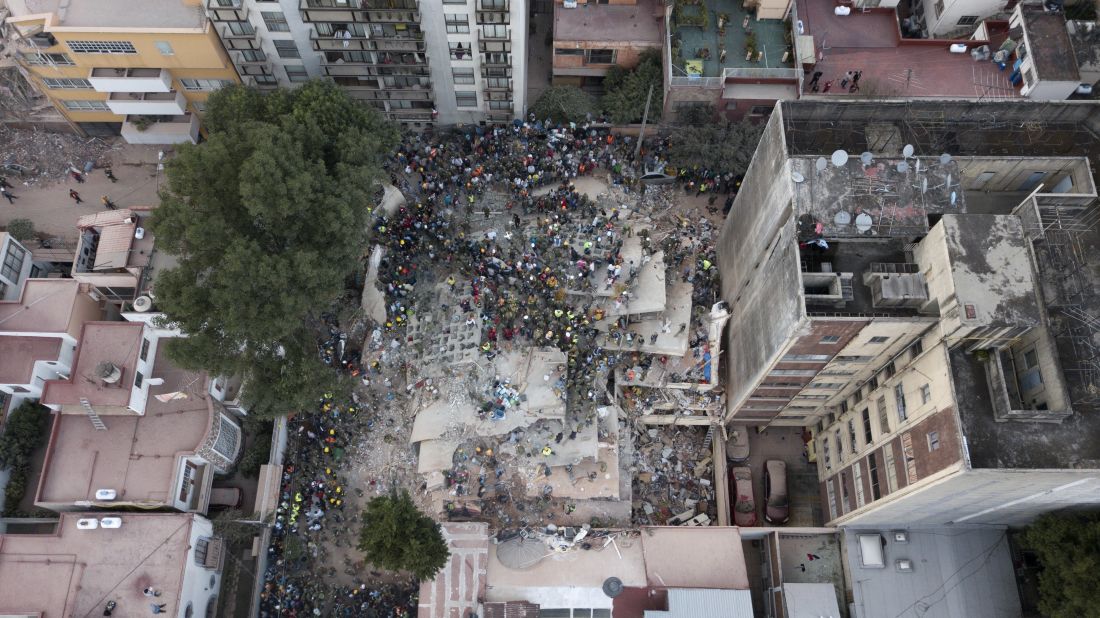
496, 60
147, 103
161, 130
373, 94
494, 34
130, 80
251, 67
498, 87
493, 6
228, 35
362, 11
338, 42
226, 10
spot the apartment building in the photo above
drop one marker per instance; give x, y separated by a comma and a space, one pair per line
592, 37
927, 316
113, 70
16, 264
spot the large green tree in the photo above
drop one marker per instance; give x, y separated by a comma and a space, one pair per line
1068, 546
398, 537
716, 146
267, 217
625, 90
563, 104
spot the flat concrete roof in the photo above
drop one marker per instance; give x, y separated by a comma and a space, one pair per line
694, 557
75, 572
100, 342
457, 589
18, 355
48, 306
115, 13
1051, 49
637, 24
137, 455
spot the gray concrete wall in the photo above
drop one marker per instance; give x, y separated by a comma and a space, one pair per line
758, 259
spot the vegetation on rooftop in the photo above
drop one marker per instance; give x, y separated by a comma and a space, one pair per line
1068, 546
398, 537
268, 217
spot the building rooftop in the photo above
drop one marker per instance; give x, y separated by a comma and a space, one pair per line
694, 557
456, 590
136, 456
48, 306
75, 572
19, 354
118, 343
117, 246
871, 42
111, 14
1051, 49
638, 24
887, 197
956, 572
771, 39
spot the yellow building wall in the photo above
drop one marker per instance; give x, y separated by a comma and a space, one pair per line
197, 54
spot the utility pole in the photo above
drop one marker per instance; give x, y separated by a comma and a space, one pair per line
645, 117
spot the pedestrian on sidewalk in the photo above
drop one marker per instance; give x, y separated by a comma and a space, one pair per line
11, 198
108, 203
4, 183
110, 175
76, 196
77, 176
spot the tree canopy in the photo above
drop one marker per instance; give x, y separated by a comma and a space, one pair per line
267, 218
625, 90
24, 431
1068, 546
398, 537
719, 147
563, 104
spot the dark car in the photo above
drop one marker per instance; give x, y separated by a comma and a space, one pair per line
776, 507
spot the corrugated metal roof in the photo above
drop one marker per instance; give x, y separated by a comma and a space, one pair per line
811, 601
104, 217
706, 603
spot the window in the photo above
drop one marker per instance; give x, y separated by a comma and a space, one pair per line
829, 339
872, 384
463, 76
825, 452
857, 396
498, 82
457, 23
916, 349
844, 504
496, 58
86, 106
287, 49
144, 354
460, 51
797, 358
792, 372
253, 55
454, 1
839, 446
599, 56
843, 407
852, 440
202, 546
466, 98
891, 468
1031, 359
879, 340
760, 110
493, 5
967, 20
494, 31
275, 21
187, 481
229, 438
883, 416
925, 394
241, 28
264, 79
857, 478
500, 105
101, 47
938, 8
872, 475
827, 385
205, 84
899, 397
890, 370
296, 73
868, 437
832, 498
562, 51
1029, 78
933, 440
853, 359
47, 59
13, 262
837, 372
138, 379
67, 83
165, 48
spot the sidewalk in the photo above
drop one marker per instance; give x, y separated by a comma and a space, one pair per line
53, 212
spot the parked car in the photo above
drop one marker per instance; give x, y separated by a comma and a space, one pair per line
737, 446
657, 178
776, 507
744, 505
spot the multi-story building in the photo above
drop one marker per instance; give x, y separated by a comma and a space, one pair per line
111, 69
441, 61
15, 266
928, 315
592, 37
91, 560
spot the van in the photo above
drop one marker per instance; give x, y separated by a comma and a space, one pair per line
776, 506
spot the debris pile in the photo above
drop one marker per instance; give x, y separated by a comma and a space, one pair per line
673, 483
31, 156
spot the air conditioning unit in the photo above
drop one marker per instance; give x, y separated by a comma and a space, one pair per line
87, 523
903, 565
901, 536
111, 523
896, 290
105, 494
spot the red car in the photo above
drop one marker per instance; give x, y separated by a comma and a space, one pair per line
744, 506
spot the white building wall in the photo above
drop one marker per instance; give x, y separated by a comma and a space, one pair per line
954, 10
13, 286
299, 33
200, 586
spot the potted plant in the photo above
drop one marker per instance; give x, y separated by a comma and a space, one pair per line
141, 123
750, 45
723, 19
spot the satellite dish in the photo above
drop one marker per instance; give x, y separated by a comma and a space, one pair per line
821, 164
797, 177
612, 587
840, 157
945, 159
863, 222
108, 372
521, 553
143, 304
903, 167
866, 158
842, 218
907, 151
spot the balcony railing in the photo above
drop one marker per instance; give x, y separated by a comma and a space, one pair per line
227, 33
226, 10
241, 60
147, 103
341, 42
497, 87
380, 59
494, 34
366, 11
130, 80
760, 73
368, 94
495, 6
496, 60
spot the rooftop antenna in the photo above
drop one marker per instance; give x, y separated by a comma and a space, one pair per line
840, 158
